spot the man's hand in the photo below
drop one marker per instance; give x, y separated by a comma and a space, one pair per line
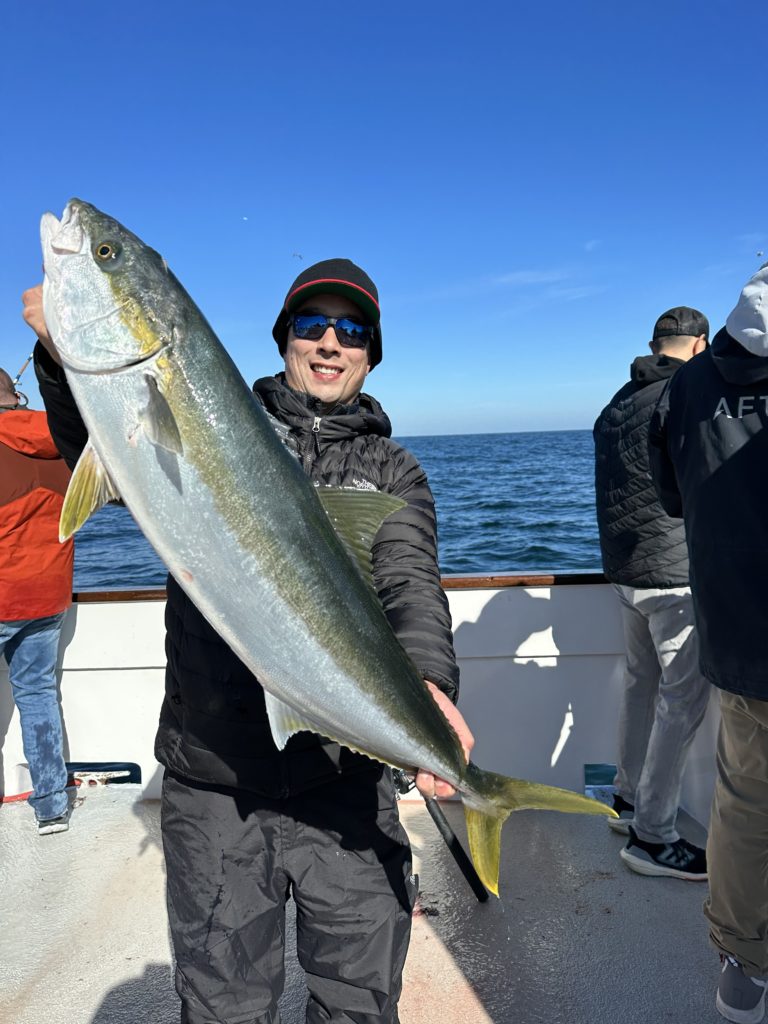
32, 300
428, 784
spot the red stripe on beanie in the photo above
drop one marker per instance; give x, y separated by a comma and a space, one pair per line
332, 280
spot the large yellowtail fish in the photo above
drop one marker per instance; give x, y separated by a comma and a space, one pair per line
280, 568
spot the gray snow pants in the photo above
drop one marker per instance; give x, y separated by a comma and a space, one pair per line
665, 699
233, 858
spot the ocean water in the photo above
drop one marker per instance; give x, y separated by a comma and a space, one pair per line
506, 503
513, 502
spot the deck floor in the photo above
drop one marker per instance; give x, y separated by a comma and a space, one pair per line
576, 937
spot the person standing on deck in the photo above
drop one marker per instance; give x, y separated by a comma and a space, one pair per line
35, 592
709, 458
246, 825
645, 557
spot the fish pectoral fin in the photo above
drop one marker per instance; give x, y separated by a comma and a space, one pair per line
499, 796
157, 419
284, 721
356, 516
89, 489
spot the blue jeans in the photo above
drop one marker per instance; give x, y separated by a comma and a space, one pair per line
31, 647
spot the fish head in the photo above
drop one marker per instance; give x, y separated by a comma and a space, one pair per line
106, 298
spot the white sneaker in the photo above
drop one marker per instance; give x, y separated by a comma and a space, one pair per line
626, 816
48, 826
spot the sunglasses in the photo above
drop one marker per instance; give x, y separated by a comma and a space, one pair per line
349, 333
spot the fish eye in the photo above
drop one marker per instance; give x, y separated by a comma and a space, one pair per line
104, 251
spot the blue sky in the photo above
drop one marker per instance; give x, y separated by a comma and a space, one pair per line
528, 185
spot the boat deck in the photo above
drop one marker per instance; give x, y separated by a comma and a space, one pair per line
575, 938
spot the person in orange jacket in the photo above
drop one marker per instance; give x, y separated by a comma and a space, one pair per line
35, 592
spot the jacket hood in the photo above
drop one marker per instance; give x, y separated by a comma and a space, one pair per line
26, 431
298, 410
734, 363
649, 369
748, 321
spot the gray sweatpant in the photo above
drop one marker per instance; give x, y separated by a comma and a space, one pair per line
233, 858
737, 850
664, 701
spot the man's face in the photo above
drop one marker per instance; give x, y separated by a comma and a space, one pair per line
324, 368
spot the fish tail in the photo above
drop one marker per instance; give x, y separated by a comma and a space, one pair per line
489, 799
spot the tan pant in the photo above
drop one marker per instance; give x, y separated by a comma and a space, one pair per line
737, 851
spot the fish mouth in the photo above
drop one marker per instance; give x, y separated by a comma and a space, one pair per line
67, 239
63, 237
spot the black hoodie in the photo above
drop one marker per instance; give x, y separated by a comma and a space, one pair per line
709, 460
641, 546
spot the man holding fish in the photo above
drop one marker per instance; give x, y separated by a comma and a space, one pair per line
244, 823
306, 625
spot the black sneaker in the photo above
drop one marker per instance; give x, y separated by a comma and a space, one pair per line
626, 815
680, 859
739, 997
48, 826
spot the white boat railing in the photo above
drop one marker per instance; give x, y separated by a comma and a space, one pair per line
541, 662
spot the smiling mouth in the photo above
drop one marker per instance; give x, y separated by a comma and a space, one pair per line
326, 371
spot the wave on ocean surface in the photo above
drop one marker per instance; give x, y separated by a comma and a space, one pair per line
506, 503
510, 503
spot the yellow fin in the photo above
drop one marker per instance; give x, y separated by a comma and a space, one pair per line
499, 796
89, 489
356, 515
484, 835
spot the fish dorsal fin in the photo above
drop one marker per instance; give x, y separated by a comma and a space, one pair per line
157, 419
284, 721
89, 489
356, 516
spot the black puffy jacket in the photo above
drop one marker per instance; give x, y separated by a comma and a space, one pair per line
709, 452
640, 544
213, 723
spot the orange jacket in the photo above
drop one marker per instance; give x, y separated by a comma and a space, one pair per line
35, 569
